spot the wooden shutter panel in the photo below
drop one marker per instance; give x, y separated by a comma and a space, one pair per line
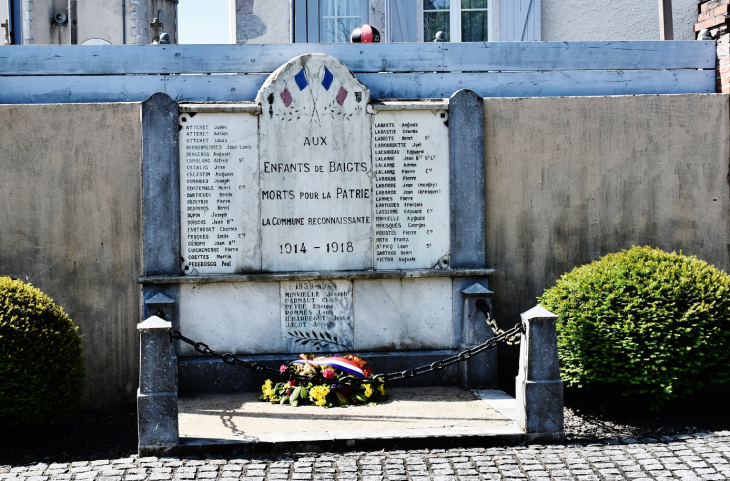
403, 16
521, 20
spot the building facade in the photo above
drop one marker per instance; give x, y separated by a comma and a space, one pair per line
99, 22
295, 21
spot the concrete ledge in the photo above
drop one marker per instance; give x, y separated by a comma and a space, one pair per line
315, 275
422, 440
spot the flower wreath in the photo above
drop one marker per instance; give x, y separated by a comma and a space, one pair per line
322, 393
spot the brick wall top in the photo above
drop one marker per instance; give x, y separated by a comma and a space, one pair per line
713, 14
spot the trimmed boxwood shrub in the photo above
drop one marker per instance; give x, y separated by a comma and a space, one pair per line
643, 322
41, 366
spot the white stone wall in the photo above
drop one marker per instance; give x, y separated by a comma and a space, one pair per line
586, 20
3, 18
259, 21
262, 21
99, 22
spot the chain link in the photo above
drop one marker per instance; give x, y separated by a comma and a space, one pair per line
483, 307
511, 336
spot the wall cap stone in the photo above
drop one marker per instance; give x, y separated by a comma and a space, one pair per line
538, 313
152, 323
476, 290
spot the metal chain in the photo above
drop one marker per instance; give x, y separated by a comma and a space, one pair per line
482, 306
508, 336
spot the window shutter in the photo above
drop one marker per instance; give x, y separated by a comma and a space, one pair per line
521, 20
403, 16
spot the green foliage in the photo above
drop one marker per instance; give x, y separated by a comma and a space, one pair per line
643, 322
41, 366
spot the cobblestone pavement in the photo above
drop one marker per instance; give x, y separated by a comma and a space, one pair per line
701, 456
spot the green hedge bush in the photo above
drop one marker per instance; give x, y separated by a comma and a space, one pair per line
41, 366
643, 322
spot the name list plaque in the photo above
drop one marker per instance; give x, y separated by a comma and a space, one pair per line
316, 315
411, 205
218, 186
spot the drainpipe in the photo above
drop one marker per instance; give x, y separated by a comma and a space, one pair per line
666, 27
72, 23
124, 22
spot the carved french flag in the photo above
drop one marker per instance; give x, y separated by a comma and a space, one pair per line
301, 80
327, 79
341, 95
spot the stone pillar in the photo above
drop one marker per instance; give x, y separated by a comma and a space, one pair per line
156, 397
466, 153
712, 23
481, 371
539, 390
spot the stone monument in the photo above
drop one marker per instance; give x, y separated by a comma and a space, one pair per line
316, 219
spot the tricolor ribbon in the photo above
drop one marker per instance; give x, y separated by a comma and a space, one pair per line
336, 362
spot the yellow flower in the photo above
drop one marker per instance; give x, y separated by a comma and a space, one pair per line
381, 389
267, 389
368, 390
318, 395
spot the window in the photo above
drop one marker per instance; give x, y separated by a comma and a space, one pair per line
339, 19
460, 20
328, 21
463, 20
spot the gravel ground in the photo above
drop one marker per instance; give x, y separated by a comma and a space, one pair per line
589, 418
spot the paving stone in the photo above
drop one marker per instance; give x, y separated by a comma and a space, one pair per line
685, 474
80, 469
207, 475
112, 472
86, 475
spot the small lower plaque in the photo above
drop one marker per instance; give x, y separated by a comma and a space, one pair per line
316, 316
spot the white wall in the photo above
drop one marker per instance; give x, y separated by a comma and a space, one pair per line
98, 21
268, 21
3, 19
585, 20
259, 21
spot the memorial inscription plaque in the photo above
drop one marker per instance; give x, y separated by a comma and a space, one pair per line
316, 315
315, 168
218, 185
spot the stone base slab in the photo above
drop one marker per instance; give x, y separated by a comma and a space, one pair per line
414, 418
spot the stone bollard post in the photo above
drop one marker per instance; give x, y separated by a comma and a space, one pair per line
481, 371
156, 397
539, 390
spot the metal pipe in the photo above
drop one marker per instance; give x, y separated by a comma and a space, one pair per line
72, 21
666, 27
10, 22
124, 22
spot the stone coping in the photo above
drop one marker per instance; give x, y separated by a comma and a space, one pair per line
315, 275
250, 107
